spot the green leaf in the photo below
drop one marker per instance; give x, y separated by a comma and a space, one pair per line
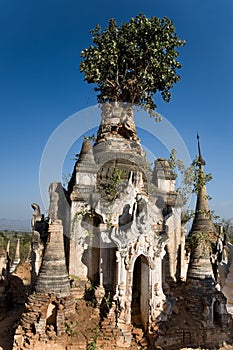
131, 62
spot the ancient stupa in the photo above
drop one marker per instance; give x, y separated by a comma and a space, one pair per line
51, 304
205, 297
122, 216
118, 231
202, 234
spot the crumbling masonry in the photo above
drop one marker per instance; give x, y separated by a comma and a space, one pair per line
119, 228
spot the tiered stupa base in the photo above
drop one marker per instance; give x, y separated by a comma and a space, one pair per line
44, 319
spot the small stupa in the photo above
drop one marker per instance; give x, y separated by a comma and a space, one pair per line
51, 304
205, 299
202, 234
16, 259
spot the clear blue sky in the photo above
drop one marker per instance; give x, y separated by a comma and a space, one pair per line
40, 85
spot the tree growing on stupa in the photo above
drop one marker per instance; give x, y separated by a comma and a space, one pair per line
132, 62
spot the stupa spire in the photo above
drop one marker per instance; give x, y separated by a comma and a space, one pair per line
203, 231
86, 157
200, 159
202, 221
53, 275
16, 260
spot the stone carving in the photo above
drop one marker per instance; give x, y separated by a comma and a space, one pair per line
39, 236
141, 212
38, 223
36, 216
125, 219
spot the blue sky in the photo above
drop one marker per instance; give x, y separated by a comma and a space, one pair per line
40, 85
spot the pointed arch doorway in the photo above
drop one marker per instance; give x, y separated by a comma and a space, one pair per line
140, 293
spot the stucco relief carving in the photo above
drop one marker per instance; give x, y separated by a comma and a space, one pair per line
36, 216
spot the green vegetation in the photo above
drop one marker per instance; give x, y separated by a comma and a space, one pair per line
111, 187
198, 238
194, 178
69, 330
200, 178
92, 345
25, 243
131, 62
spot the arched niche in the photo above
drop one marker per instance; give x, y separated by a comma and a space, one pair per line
51, 316
140, 292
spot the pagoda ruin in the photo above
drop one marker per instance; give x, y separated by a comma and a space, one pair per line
118, 233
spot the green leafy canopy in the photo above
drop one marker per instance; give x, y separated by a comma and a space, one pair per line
131, 62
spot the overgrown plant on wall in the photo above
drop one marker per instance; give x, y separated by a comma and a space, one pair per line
111, 187
194, 178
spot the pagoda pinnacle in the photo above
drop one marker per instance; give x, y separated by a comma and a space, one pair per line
203, 231
202, 220
53, 275
200, 159
86, 158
